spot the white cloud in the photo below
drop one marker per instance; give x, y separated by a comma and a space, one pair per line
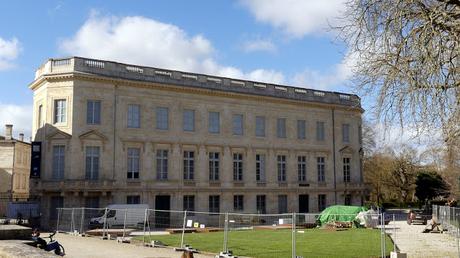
9, 51
259, 45
296, 18
19, 116
327, 80
144, 41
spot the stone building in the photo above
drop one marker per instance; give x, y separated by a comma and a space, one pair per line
119, 133
14, 169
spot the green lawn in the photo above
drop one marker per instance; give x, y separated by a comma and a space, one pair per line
277, 243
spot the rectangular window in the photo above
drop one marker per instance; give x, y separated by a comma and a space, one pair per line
321, 167
281, 127
301, 129
162, 164
261, 204
260, 126
133, 163
189, 165
302, 168
214, 203
346, 133
58, 162
189, 203
93, 112
238, 202
282, 204
92, 202
281, 159
260, 167
347, 200
40, 116
321, 202
214, 122
189, 120
237, 167
320, 131
55, 203
133, 199
214, 166
237, 124
92, 162
346, 170
60, 106
162, 118
134, 116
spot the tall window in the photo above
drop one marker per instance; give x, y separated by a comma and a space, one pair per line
237, 124
282, 203
238, 202
189, 165
321, 202
214, 122
133, 199
55, 203
60, 106
237, 167
214, 166
302, 168
58, 161
301, 129
261, 204
92, 162
260, 126
93, 112
321, 167
346, 133
281, 127
346, 170
214, 203
188, 120
162, 164
320, 131
162, 118
134, 116
92, 202
189, 203
281, 168
133, 163
260, 167
40, 116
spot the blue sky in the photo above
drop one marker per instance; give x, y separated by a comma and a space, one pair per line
279, 41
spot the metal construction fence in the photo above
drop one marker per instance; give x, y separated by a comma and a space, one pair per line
449, 218
249, 235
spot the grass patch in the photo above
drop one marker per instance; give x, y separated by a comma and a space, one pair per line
277, 243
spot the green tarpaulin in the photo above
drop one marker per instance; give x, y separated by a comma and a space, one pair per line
339, 213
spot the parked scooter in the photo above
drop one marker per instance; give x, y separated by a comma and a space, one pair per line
52, 245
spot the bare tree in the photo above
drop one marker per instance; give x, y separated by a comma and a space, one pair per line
408, 57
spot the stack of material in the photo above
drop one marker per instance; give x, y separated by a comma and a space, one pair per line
433, 227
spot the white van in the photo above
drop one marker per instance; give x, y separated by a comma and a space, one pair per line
119, 214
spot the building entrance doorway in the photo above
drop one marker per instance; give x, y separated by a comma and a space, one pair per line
162, 214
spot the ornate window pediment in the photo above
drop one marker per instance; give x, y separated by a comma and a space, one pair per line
93, 136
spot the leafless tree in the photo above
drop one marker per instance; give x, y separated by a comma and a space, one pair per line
407, 55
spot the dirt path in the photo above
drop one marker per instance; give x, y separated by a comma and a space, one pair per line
411, 240
94, 247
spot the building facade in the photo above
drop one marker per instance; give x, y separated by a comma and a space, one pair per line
14, 169
118, 133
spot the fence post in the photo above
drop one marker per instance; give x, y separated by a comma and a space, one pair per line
225, 247
183, 230
294, 255
394, 234
59, 210
382, 236
72, 222
145, 221
82, 220
104, 227
124, 224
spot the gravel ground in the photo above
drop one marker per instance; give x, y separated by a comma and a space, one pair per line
411, 240
95, 247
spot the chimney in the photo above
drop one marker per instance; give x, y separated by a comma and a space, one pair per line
21, 137
8, 132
